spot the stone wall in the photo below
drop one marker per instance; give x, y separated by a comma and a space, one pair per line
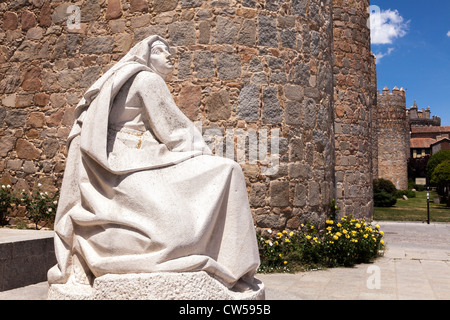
393, 137
353, 104
256, 75
241, 66
374, 115
253, 68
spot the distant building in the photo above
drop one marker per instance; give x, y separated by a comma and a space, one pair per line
421, 147
435, 133
426, 141
422, 118
426, 131
443, 144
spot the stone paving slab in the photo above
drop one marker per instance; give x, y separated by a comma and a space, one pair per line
416, 266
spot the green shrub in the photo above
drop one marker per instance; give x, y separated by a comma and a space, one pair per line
345, 242
381, 184
40, 207
409, 193
384, 193
384, 199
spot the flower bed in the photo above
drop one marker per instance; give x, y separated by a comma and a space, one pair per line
343, 242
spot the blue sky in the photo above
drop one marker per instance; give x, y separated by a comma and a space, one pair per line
411, 39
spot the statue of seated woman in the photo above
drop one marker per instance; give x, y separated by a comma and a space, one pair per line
142, 192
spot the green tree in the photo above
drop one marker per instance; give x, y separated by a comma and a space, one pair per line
441, 178
435, 160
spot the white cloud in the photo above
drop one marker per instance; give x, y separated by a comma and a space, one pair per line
386, 26
448, 34
381, 55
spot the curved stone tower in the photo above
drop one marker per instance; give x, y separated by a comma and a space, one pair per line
259, 73
393, 137
354, 101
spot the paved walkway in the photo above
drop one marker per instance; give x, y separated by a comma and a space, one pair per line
416, 265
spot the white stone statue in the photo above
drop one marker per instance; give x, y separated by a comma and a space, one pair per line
142, 195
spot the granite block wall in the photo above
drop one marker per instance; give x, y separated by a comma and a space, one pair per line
353, 104
265, 80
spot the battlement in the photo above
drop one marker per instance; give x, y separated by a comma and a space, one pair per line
395, 91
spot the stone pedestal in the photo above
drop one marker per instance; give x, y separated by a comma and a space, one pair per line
154, 286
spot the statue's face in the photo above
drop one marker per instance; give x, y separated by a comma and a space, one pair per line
161, 59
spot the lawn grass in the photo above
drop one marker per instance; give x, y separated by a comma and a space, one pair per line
414, 209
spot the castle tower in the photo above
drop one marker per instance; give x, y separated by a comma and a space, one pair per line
354, 101
393, 137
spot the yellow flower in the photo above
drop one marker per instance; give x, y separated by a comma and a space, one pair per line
329, 221
329, 228
287, 240
357, 225
279, 234
339, 225
284, 231
291, 234
335, 237
382, 242
338, 234
285, 262
308, 237
366, 235
344, 231
377, 226
381, 232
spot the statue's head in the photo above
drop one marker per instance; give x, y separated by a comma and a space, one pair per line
160, 58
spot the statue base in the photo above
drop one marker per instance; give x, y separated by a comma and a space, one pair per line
156, 286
